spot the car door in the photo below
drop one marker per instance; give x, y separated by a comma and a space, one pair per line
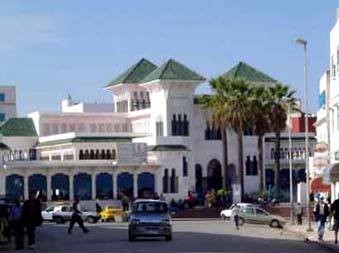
248, 214
262, 217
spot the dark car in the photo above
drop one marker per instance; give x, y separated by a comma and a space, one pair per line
150, 218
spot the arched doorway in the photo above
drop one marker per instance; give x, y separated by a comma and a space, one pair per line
38, 183
104, 186
125, 184
60, 187
214, 175
199, 181
284, 176
15, 187
83, 186
145, 185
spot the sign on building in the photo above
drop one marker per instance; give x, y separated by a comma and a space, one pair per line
131, 153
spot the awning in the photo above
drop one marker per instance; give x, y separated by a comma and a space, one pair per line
317, 185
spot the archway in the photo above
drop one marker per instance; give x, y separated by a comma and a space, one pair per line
214, 175
104, 186
284, 176
38, 183
199, 181
145, 185
83, 186
125, 184
15, 187
60, 187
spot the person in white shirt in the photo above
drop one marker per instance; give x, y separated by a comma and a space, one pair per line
235, 216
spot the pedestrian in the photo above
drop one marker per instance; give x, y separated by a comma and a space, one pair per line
76, 217
335, 214
321, 212
235, 215
32, 218
124, 202
299, 211
16, 219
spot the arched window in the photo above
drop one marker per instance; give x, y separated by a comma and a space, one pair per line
248, 166
83, 186
165, 180
15, 187
174, 182
91, 155
86, 154
60, 187
145, 185
38, 183
125, 184
108, 154
103, 155
184, 167
97, 154
255, 166
81, 154
174, 125
185, 126
104, 186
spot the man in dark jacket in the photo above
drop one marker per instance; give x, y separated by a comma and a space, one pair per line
32, 217
321, 212
76, 217
335, 213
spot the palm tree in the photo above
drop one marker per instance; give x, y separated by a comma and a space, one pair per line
261, 125
231, 102
278, 97
214, 104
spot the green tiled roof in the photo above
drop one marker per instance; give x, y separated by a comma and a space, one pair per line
18, 127
168, 148
135, 73
244, 71
173, 70
84, 139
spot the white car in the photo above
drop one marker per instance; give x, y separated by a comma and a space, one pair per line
227, 213
47, 214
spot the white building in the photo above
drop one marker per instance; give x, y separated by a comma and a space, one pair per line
156, 139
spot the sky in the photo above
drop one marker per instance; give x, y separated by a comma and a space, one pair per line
50, 49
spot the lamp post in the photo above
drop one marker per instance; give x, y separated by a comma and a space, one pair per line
303, 43
290, 160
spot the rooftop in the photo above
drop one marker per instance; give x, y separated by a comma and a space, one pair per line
23, 127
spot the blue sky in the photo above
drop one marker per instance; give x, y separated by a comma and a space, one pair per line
51, 48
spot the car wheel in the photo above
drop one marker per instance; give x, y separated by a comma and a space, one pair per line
275, 224
59, 220
90, 219
169, 237
241, 221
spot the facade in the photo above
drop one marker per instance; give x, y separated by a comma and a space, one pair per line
7, 102
154, 138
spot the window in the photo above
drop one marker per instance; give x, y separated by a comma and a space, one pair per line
2, 97
2, 116
184, 167
180, 125
251, 166
165, 182
159, 126
260, 212
248, 211
174, 182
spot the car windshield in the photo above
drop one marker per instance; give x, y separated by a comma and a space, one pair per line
150, 207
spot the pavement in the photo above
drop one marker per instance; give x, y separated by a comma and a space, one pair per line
312, 236
188, 237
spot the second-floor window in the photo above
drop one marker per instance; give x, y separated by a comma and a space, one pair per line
251, 166
2, 97
212, 133
180, 125
2, 117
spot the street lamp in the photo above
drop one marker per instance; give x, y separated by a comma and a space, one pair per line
303, 43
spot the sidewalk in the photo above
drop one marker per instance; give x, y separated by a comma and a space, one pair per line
301, 231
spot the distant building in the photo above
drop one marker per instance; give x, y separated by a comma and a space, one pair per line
7, 102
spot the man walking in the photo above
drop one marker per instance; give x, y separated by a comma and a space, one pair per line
321, 212
76, 217
17, 224
32, 217
235, 216
335, 213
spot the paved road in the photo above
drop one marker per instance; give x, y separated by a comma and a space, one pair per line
202, 236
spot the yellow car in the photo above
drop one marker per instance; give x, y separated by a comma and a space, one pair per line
110, 212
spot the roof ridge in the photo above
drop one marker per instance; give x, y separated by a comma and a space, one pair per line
133, 68
165, 68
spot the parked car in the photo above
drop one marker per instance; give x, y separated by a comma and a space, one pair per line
227, 213
257, 215
65, 214
150, 218
110, 211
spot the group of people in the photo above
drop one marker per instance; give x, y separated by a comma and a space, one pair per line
322, 211
21, 219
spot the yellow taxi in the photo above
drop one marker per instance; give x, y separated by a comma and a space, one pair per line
110, 212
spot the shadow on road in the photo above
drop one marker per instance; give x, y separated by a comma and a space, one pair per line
107, 239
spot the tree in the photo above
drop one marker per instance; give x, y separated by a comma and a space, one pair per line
278, 98
261, 125
231, 102
214, 105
